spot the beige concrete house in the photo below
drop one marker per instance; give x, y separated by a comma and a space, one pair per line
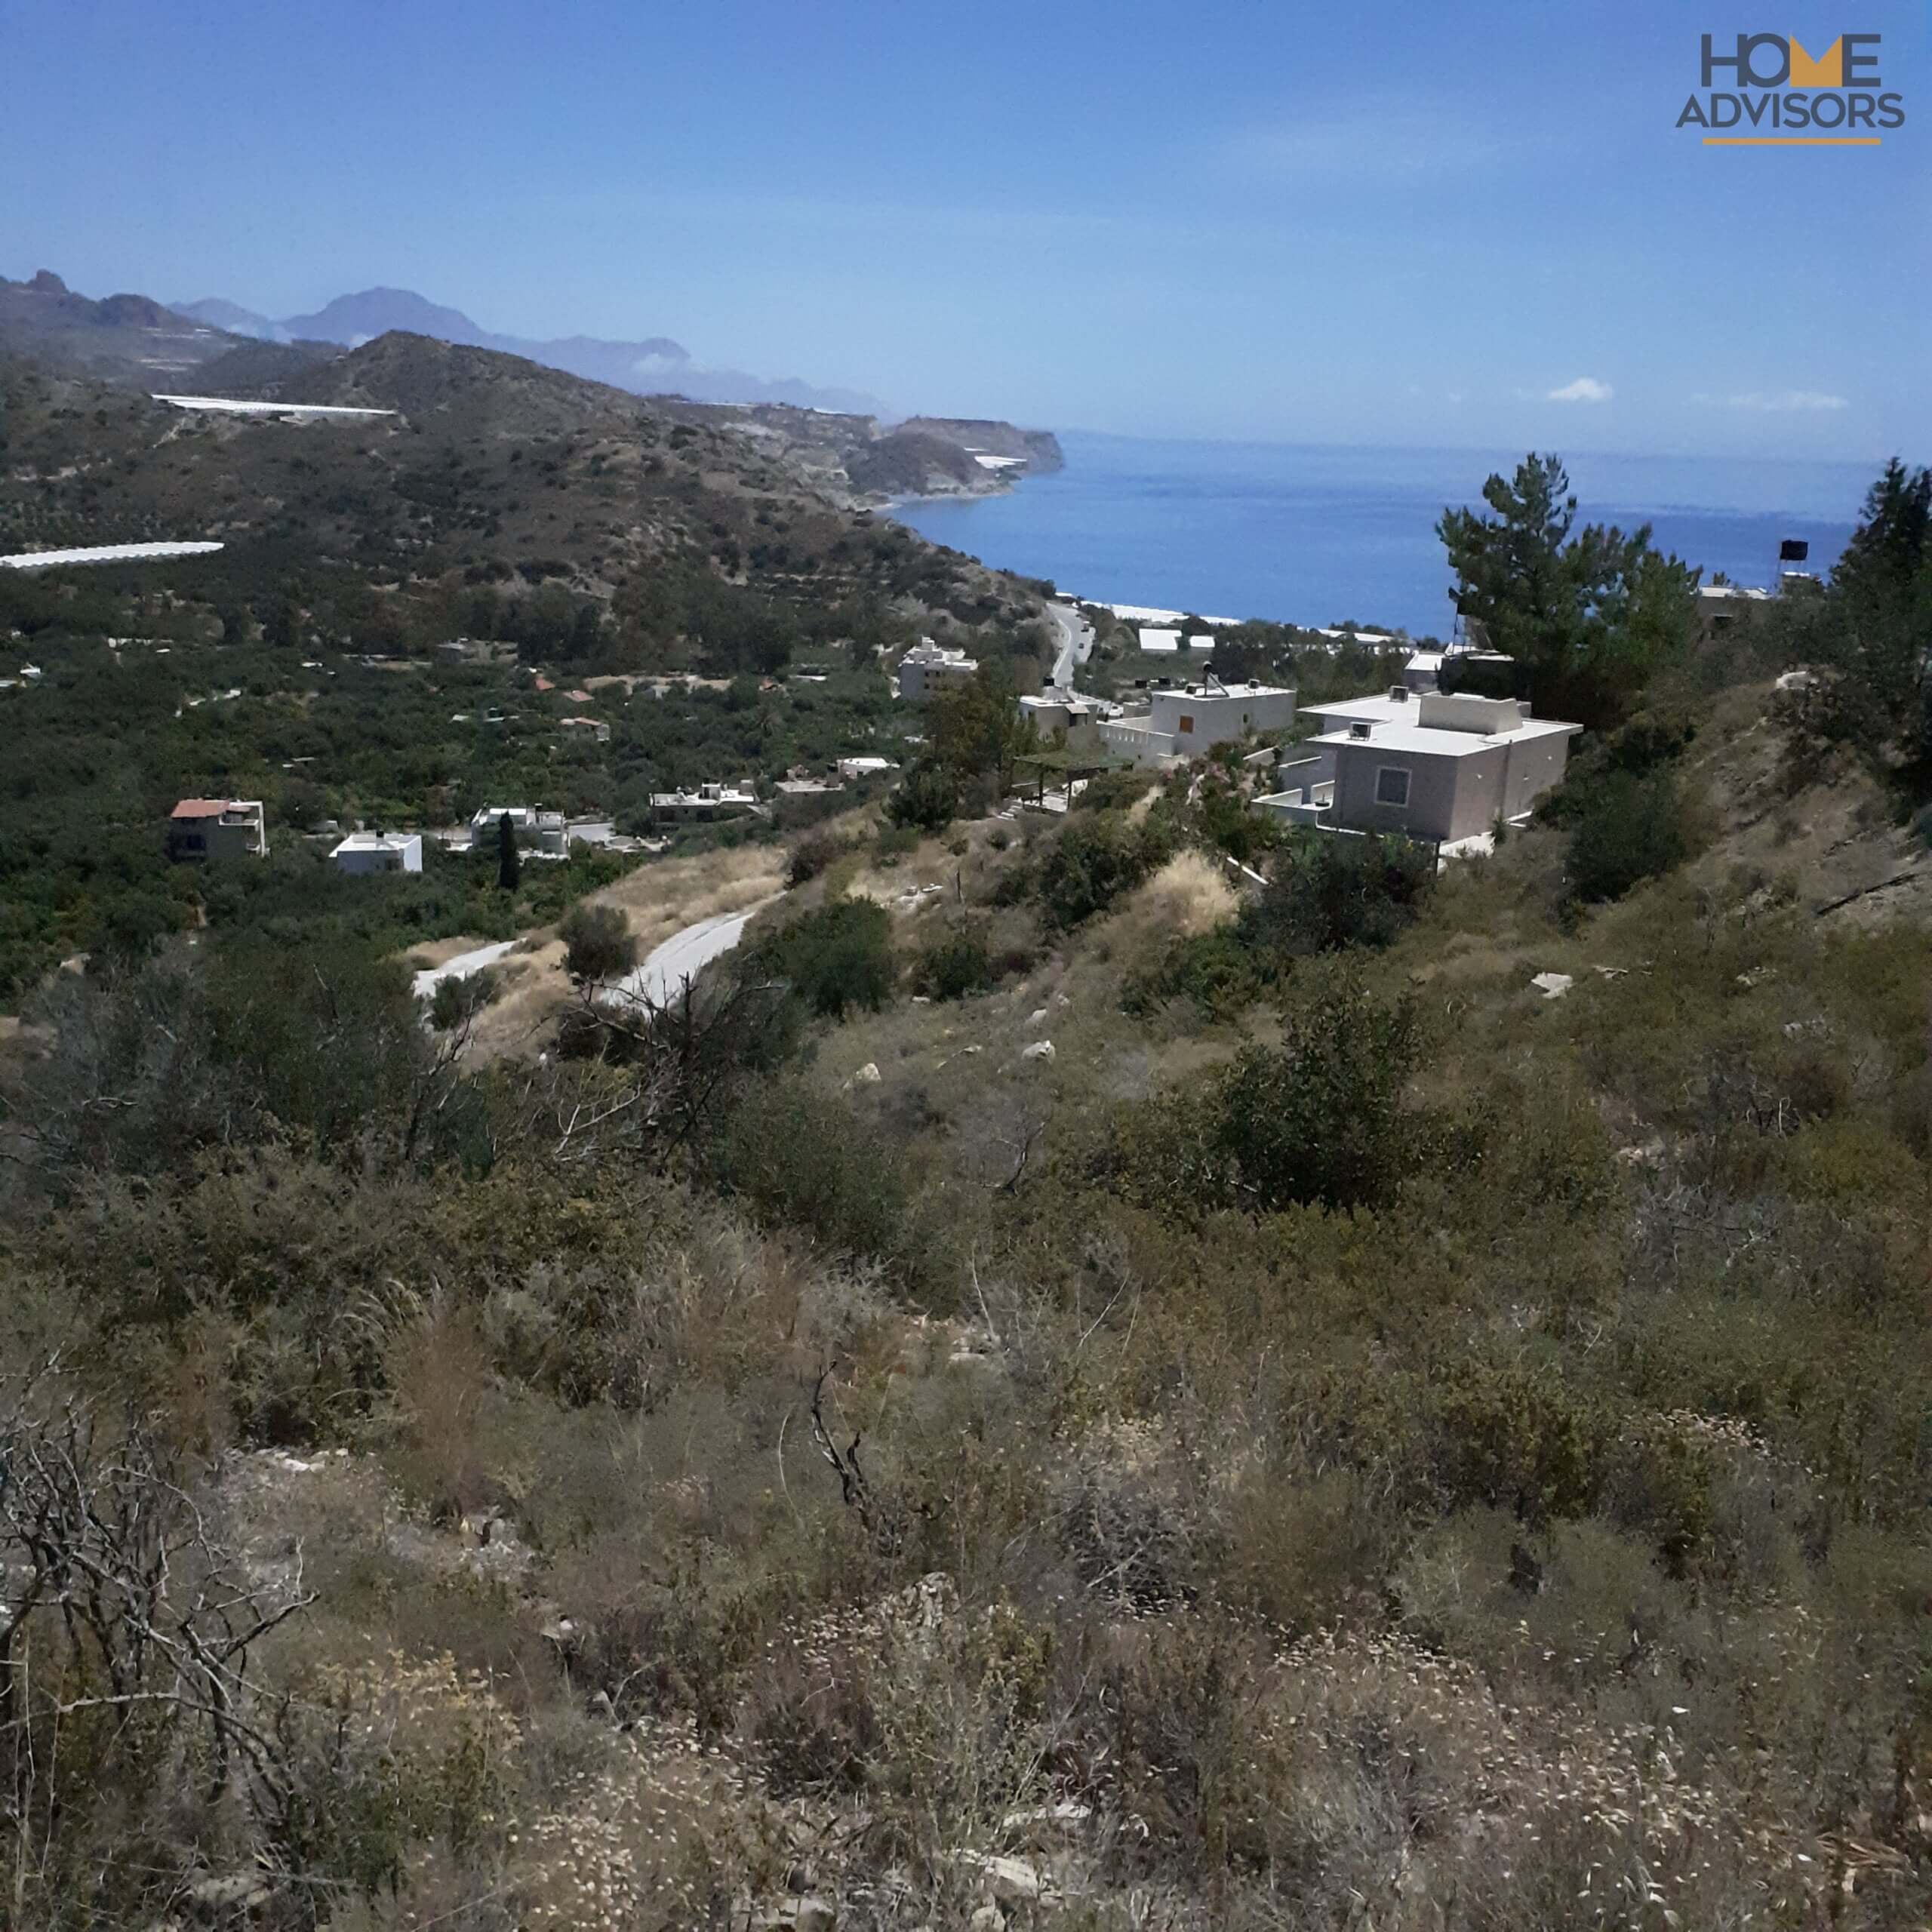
1442, 767
1060, 714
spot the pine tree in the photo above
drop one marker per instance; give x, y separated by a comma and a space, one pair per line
1589, 616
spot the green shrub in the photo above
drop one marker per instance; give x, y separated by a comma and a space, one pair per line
1516, 1436
1113, 791
1626, 829
837, 957
599, 943
954, 964
1213, 969
926, 798
895, 842
1328, 892
809, 858
801, 1158
462, 996
1095, 859
1320, 1117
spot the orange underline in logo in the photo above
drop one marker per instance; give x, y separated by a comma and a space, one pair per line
1791, 141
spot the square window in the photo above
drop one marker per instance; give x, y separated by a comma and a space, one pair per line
1186, 722
1391, 785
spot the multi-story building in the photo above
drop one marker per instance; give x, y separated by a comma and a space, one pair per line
929, 669
217, 828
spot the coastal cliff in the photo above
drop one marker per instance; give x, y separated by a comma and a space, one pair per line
1038, 449
859, 462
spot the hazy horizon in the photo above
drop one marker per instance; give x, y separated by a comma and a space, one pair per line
1386, 230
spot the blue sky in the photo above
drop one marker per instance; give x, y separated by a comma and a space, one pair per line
1400, 224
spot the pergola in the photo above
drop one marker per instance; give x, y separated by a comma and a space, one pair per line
1068, 766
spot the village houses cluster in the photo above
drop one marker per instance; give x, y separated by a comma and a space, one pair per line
1445, 766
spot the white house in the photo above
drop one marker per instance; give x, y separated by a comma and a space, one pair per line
1437, 766
929, 669
864, 767
379, 852
544, 832
522, 818
1190, 719
712, 800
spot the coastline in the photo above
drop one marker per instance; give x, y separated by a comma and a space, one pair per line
1327, 537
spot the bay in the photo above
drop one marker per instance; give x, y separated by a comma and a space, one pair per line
1321, 534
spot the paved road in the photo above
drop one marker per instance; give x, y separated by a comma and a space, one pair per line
463, 963
1076, 642
683, 954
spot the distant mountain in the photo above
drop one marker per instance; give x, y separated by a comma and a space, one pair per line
232, 317
355, 319
655, 366
829, 441
121, 338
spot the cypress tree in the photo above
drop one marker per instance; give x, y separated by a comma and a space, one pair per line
508, 863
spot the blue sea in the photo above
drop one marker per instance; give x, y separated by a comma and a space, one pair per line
1310, 534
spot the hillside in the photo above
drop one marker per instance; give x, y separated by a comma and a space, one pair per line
674, 535
860, 460
831, 442
648, 365
1048, 1390
1037, 449
128, 339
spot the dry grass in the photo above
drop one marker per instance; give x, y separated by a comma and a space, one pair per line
431, 952
1189, 894
664, 898
660, 899
1824, 841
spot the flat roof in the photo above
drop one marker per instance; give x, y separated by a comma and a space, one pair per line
1225, 690
377, 841
214, 808
1437, 743
1377, 708
104, 553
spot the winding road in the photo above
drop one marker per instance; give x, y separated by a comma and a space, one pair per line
684, 955
1076, 643
426, 981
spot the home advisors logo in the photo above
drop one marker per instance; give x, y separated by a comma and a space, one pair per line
1768, 86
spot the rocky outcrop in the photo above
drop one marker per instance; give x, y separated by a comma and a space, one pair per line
1038, 449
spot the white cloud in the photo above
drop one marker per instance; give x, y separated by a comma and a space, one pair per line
1777, 400
1585, 389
